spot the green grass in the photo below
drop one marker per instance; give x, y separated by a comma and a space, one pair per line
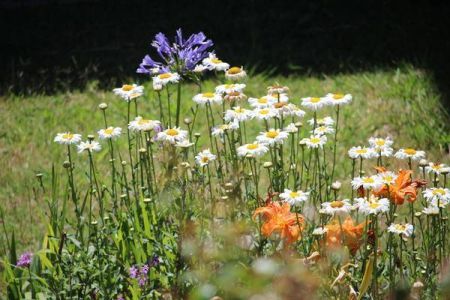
402, 103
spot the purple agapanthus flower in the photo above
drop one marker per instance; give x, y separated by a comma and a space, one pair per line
182, 56
25, 260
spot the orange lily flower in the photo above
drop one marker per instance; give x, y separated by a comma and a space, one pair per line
349, 233
403, 188
279, 219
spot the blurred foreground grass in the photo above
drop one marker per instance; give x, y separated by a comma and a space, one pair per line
402, 103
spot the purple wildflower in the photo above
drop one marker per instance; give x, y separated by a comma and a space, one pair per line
25, 260
120, 297
155, 261
134, 272
142, 280
181, 57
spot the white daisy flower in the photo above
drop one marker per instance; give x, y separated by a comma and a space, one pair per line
204, 157
141, 124
442, 194
377, 142
373, 206
339, 99
264, 113
436, 168
277, 89
410, 153
294, 197
431, 210
166, 78
367, 182
109, 133
91, 146
320, 231
314, 141
383, 151
228, 88
210, 98
406, 230
184, 144
235, 96
235, 74
291, 128
272, 137
262, 102
238, 113
254, 149
200, 68
315, 103
67, 138
364, 152
129, 91
220, 130
172, 135
338, 207
327, 121
291, 109
387, 177
213, 63
321, 130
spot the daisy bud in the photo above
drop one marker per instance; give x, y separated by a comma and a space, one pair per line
123, 196
185, 165
94, 222
142, 150
423, 163
124, 163
229, 184
39, 175
197, 134
91, 137
224, 198
417, 286
267, 164
187, 121
445, 171
298, 124
336, 186
103, 106
106, 218
66, 164
147, 200
418, 214
157, 86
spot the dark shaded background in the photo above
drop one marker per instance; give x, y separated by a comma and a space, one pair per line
57, 45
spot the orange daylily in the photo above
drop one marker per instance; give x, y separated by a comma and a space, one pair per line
279, 218
403, 188
349, 233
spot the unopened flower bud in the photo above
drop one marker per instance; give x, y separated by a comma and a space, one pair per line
147, 200
94, 222
124, 163
103, 106
224, 198
187, 121
197, 134
336, 186
423, 163
298, 124
157, 86
142, 150
267, 164
91, 137
66, 164
39, 175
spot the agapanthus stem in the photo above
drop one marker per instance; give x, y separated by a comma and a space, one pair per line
177, 123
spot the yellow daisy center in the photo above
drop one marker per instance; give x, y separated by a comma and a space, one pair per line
338, 96
172, 132
205, 159
279, 105
293, 194
208, 95
380, 142
127, 87
400, 227
216, 61
165, 76
368, 180
68, 136
264, 111
109, 130
438, 192
361, 151
262, 100
315, 140
337, 204
314, 99
272, 134
143, 121
252, 146
234, 70
410, 151
374, 205
234, 94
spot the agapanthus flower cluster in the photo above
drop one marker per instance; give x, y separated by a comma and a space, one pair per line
181, 56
